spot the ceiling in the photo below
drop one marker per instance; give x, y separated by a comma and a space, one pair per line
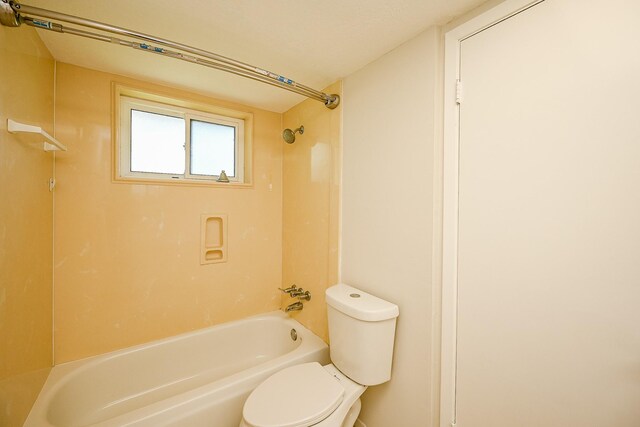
314, 42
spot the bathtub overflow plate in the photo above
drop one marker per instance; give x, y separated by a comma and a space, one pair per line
294, 335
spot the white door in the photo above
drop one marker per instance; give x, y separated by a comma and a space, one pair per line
548, 324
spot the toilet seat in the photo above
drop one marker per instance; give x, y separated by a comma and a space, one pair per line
298, 396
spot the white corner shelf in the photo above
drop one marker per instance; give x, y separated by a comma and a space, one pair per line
51, 144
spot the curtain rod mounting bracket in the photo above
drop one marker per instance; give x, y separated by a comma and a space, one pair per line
332, 102
8, 16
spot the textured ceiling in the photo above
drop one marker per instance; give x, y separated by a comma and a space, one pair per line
314, 42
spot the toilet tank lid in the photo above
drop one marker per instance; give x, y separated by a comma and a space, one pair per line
360, 305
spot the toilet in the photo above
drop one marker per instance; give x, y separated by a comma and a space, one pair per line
361, 333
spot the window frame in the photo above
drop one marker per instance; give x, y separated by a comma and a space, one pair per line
126, 100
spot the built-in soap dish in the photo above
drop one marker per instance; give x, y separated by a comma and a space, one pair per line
213, 239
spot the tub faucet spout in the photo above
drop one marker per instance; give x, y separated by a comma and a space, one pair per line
296, 306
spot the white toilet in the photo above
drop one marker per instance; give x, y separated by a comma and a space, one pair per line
361, 332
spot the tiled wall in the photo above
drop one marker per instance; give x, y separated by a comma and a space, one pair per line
311, 186
26, 223
127, 258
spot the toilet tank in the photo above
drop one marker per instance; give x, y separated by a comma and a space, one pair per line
362, 331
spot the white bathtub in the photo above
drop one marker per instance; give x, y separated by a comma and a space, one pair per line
201, 378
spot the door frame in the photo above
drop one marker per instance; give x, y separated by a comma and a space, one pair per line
452, 43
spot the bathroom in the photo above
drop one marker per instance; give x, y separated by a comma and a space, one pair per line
93, 262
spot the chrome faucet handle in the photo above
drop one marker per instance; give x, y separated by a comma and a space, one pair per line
297, 292
303, 296
289, 290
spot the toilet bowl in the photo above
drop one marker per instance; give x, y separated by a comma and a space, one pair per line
362, 333
304, 395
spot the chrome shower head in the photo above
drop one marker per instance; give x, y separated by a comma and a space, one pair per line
289, 135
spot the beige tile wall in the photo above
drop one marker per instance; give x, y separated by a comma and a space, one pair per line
127, 259
311, 185
26, 223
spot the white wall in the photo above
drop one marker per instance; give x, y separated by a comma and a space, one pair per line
387, 215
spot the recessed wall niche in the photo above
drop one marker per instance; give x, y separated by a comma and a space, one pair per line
213, 240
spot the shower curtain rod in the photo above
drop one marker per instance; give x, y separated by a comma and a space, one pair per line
13, 14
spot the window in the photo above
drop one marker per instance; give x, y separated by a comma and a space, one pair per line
162, 141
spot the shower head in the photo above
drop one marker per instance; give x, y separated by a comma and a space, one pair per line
289, 135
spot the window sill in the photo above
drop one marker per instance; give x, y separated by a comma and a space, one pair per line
182, 182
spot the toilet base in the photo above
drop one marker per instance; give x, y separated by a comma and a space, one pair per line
352, 415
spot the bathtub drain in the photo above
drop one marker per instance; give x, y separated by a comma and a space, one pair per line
294, 334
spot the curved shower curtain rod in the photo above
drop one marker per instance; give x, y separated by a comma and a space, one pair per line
13, 14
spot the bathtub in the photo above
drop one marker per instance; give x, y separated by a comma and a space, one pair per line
201, 378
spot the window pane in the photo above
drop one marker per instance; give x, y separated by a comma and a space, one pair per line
157, 143
212, 148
